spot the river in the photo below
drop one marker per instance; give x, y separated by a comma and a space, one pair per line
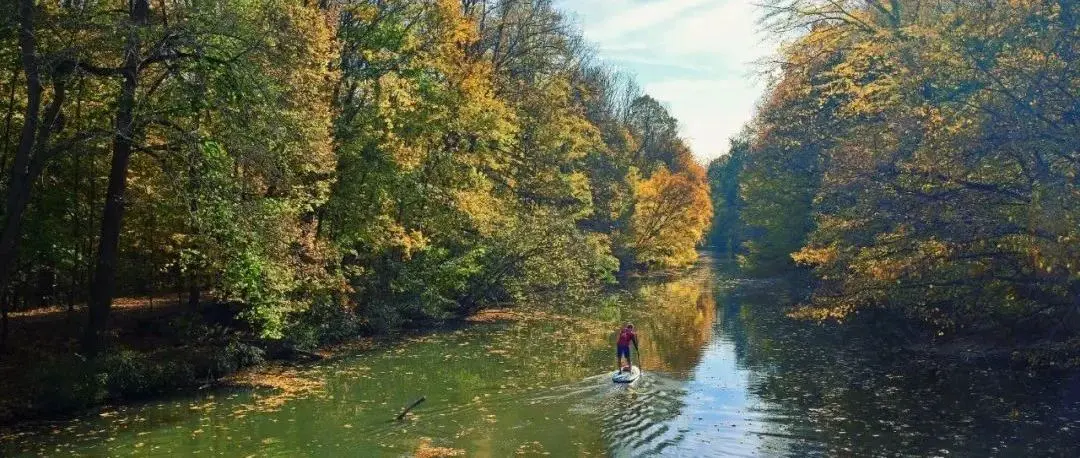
725, 374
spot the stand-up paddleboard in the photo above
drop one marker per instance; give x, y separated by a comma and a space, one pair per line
626, 376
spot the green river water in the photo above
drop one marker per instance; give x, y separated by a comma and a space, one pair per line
725, 374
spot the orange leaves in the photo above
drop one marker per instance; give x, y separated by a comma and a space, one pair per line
671, 213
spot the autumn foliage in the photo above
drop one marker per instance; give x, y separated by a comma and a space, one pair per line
921, 157
326, 168
671, 213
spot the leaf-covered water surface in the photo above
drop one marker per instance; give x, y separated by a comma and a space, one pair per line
726, 373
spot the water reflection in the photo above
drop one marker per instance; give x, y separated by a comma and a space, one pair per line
848, 390
727, 374
675, 319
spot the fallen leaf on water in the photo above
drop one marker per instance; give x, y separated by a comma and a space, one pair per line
287, 384
426, 450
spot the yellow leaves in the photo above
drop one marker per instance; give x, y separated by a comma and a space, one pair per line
459, 29
428, 89
286, 384
946, 190
361, 12
819, 313
299, 82
867, 78
408, 241
534, 448
392, 102
815, 256
482, 208
579, 188
1023, 4
671, 214
835, 223
922, 32
884, 270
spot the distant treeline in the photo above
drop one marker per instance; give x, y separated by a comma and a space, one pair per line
921, 159
326, 167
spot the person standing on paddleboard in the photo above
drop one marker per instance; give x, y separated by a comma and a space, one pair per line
622, 347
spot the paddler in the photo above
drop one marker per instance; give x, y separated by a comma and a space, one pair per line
622, 346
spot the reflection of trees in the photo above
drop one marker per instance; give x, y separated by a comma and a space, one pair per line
674, 318
846, 389
676, 322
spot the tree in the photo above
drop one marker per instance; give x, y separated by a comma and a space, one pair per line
34, 148
671, 214
656, 130
723, 172
942, 189
378, 162
182, 48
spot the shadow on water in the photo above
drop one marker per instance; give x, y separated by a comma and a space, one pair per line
726, 373
827, 389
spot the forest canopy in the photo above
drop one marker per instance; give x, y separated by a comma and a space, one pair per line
920, 158
326, 168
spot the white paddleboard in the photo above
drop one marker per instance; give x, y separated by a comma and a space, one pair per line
626, 376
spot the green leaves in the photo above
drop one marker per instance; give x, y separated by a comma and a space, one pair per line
927, 164
468, 177
376, 163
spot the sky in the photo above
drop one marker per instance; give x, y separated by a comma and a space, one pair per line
694, 56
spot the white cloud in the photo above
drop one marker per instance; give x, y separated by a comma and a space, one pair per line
721, 29
628, 17
693, 55
727, 32
709, 111
643, 58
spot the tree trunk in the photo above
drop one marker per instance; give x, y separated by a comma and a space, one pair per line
179, 286
7, 118
194, 160
4, 306
76, 221
19, 183
103, 288
153, 261
193, 292
104, 285
91, 229
3, 309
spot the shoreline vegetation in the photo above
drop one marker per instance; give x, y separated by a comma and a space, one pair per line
918, 160
828, 384
134, 376
293, 174
288, 175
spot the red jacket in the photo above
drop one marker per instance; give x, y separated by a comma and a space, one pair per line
626, 336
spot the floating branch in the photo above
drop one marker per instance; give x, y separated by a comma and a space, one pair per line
405, 412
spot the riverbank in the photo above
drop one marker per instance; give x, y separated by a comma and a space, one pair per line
724, 367
160, 349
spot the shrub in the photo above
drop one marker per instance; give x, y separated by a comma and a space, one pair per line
64, 384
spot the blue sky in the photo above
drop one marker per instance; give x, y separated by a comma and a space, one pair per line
695, 56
